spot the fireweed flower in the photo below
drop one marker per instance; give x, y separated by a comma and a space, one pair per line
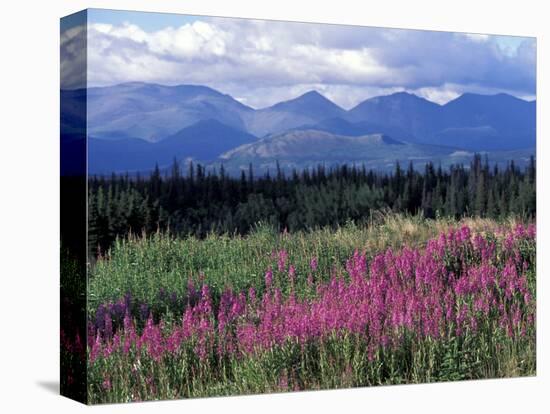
268, 277
252, 296
152, 339
96, 348
108, 326
449, 288
282, 257
106, 384
129, 334
292, 274
313, 263
532, 231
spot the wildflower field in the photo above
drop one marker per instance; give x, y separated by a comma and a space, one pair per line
400, 300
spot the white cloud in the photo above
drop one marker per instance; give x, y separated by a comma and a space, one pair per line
476, 37
263, 62
439, 95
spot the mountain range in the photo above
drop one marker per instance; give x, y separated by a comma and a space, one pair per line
134, 126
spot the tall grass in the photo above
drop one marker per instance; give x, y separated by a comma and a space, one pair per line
148, 265
402, 300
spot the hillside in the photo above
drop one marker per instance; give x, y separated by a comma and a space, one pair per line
197, 122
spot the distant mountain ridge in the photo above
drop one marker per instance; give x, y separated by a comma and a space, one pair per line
400, 114
307, 148
200, 123
153, 112
308, 108
311, 145
203, 140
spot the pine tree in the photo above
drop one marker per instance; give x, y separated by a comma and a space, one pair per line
480, 194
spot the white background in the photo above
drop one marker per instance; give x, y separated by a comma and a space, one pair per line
29, 206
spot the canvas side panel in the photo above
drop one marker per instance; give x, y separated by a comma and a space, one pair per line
73, 190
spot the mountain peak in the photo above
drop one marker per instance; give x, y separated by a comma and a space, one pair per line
478, 97
312, 94
310, 97
404, 94
311, 104
394, 101
179, 88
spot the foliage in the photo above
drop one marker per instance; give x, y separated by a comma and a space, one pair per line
199, 204
458, 305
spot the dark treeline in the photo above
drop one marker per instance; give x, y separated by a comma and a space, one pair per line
197, 203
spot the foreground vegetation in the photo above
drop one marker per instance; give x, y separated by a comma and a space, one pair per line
152, 268
396, 300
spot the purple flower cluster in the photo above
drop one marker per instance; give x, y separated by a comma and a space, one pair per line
109, 317
453, 287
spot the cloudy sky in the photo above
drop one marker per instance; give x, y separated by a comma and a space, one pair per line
263, 62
